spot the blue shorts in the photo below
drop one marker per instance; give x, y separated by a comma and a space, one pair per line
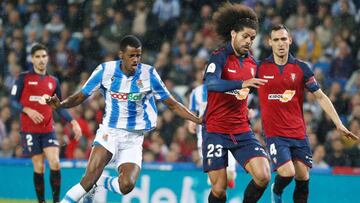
33, 143
243, 146
283, 149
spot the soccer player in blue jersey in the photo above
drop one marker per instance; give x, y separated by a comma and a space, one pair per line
130, 89
37, 132
281, 103
197, 104
226, 127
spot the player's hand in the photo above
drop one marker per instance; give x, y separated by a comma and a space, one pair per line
191, 127
34, 115
253, 82
200, 120
53, 101
76, 128
344, 131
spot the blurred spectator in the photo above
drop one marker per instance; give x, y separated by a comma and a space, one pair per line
167, 13
90, 49
301, 11
75, 17
337, 156
301, 32
313, 106
34, 25
353, 84
318, 157
325, 31
6, 149
343, 64
139, 26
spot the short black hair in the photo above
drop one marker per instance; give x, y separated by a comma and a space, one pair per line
277, 27
234, 17
129, 40
36, 47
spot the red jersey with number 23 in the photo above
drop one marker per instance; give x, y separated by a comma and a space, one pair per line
227, 112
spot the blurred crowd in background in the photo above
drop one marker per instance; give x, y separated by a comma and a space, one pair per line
178, 37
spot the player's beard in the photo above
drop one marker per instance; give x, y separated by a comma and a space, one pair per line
242, 50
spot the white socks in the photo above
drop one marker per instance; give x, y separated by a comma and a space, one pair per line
109, 183
74, 194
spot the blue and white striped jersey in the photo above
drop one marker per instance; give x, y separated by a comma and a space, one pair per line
129, 100
198, 102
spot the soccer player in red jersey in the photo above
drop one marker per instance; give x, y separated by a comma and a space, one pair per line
37, 133
281, 102
226, 127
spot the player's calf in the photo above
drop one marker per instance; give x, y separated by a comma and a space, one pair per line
301, 192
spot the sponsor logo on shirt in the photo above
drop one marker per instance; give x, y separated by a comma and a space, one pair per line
127, 96
239, 94
284, 97
32, 82
40, 99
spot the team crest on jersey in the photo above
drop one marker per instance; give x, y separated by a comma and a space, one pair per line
139, 83
252, 72
293, 77
50, 85
284, 97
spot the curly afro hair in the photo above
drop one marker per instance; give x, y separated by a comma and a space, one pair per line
234, 17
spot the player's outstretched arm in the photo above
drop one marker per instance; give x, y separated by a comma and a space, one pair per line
69, 102
328, 107
181, 110
254, 82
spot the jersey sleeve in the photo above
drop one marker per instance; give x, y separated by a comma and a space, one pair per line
212, 78
157, 86
309, 79
16, 92
62, 112
94, 82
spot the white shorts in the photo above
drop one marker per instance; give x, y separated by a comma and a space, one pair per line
125, 146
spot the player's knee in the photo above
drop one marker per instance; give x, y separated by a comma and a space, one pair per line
219, 191
262, 178
39, 167
126, 185
302, 176
54, 164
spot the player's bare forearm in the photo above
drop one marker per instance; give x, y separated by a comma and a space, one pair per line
327, 106
73, 100
181, 110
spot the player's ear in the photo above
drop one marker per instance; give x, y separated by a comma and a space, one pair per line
233, 34
120, 54
269, 41
290, 40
